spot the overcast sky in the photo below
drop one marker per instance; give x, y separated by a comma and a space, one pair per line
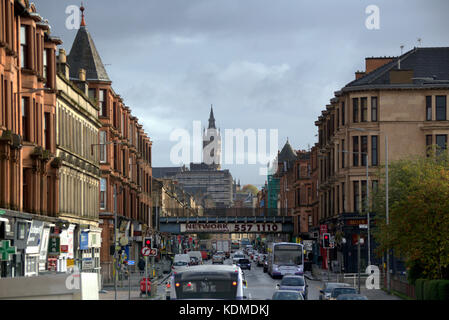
262, 64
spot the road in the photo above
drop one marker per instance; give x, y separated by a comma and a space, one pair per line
260, 287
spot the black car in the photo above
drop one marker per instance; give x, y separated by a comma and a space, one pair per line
244, 264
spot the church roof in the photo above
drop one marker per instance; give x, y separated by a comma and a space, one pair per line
84, 55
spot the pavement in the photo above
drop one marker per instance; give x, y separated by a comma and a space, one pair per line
130, 290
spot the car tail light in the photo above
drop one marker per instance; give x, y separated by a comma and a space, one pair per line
234, 283
168, 285
177, 284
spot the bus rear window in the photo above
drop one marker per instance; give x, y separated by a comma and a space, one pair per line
207, 289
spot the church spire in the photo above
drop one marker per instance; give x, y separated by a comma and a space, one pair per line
83, 21
212, 118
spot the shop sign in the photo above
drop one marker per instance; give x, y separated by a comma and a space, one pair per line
84, 240
54, 246
34, 237
64, 248
52, 264
87, 263
70, 263
6, 250
70, 238
355, 222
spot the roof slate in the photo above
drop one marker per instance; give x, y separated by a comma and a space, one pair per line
425, 63
84, 55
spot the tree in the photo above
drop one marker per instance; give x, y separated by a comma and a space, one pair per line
250, 188
418, 229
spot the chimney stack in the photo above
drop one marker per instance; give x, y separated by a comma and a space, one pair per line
82, 84
63, 67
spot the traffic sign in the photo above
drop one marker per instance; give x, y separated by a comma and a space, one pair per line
131, 262
153, 252
146, 251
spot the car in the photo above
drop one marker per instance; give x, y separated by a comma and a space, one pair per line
217, 258
352, 297
294, 282
237, 256
179, 265
342, 290
221, 253
287, 295
244, 264
325, 293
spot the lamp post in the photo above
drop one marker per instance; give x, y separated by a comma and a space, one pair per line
387, 211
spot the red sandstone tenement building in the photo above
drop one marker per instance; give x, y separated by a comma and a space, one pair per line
125, 157
66, 140
298, 189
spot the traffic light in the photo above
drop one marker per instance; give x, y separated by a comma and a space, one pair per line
147, 242
326, 240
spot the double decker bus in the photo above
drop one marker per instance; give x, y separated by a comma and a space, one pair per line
285, 258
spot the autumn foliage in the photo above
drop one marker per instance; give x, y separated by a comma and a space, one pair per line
418, 229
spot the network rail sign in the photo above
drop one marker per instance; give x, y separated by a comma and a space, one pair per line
230, 227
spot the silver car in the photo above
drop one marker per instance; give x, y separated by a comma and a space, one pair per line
217, 258
293, 282
325, 293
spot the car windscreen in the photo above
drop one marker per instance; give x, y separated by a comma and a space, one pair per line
331, 286
180, 263
239, 256
292, 282
338, 291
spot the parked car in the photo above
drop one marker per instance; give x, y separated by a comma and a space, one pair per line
244, 264
287, 295
294, 282
217, 258
342, 290
352, 297
325, 293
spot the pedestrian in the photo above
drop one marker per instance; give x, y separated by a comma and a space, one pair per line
141, 265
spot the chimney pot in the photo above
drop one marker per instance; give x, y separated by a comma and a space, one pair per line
62, 56
82, 75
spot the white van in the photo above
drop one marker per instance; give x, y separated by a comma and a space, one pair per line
196, 254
